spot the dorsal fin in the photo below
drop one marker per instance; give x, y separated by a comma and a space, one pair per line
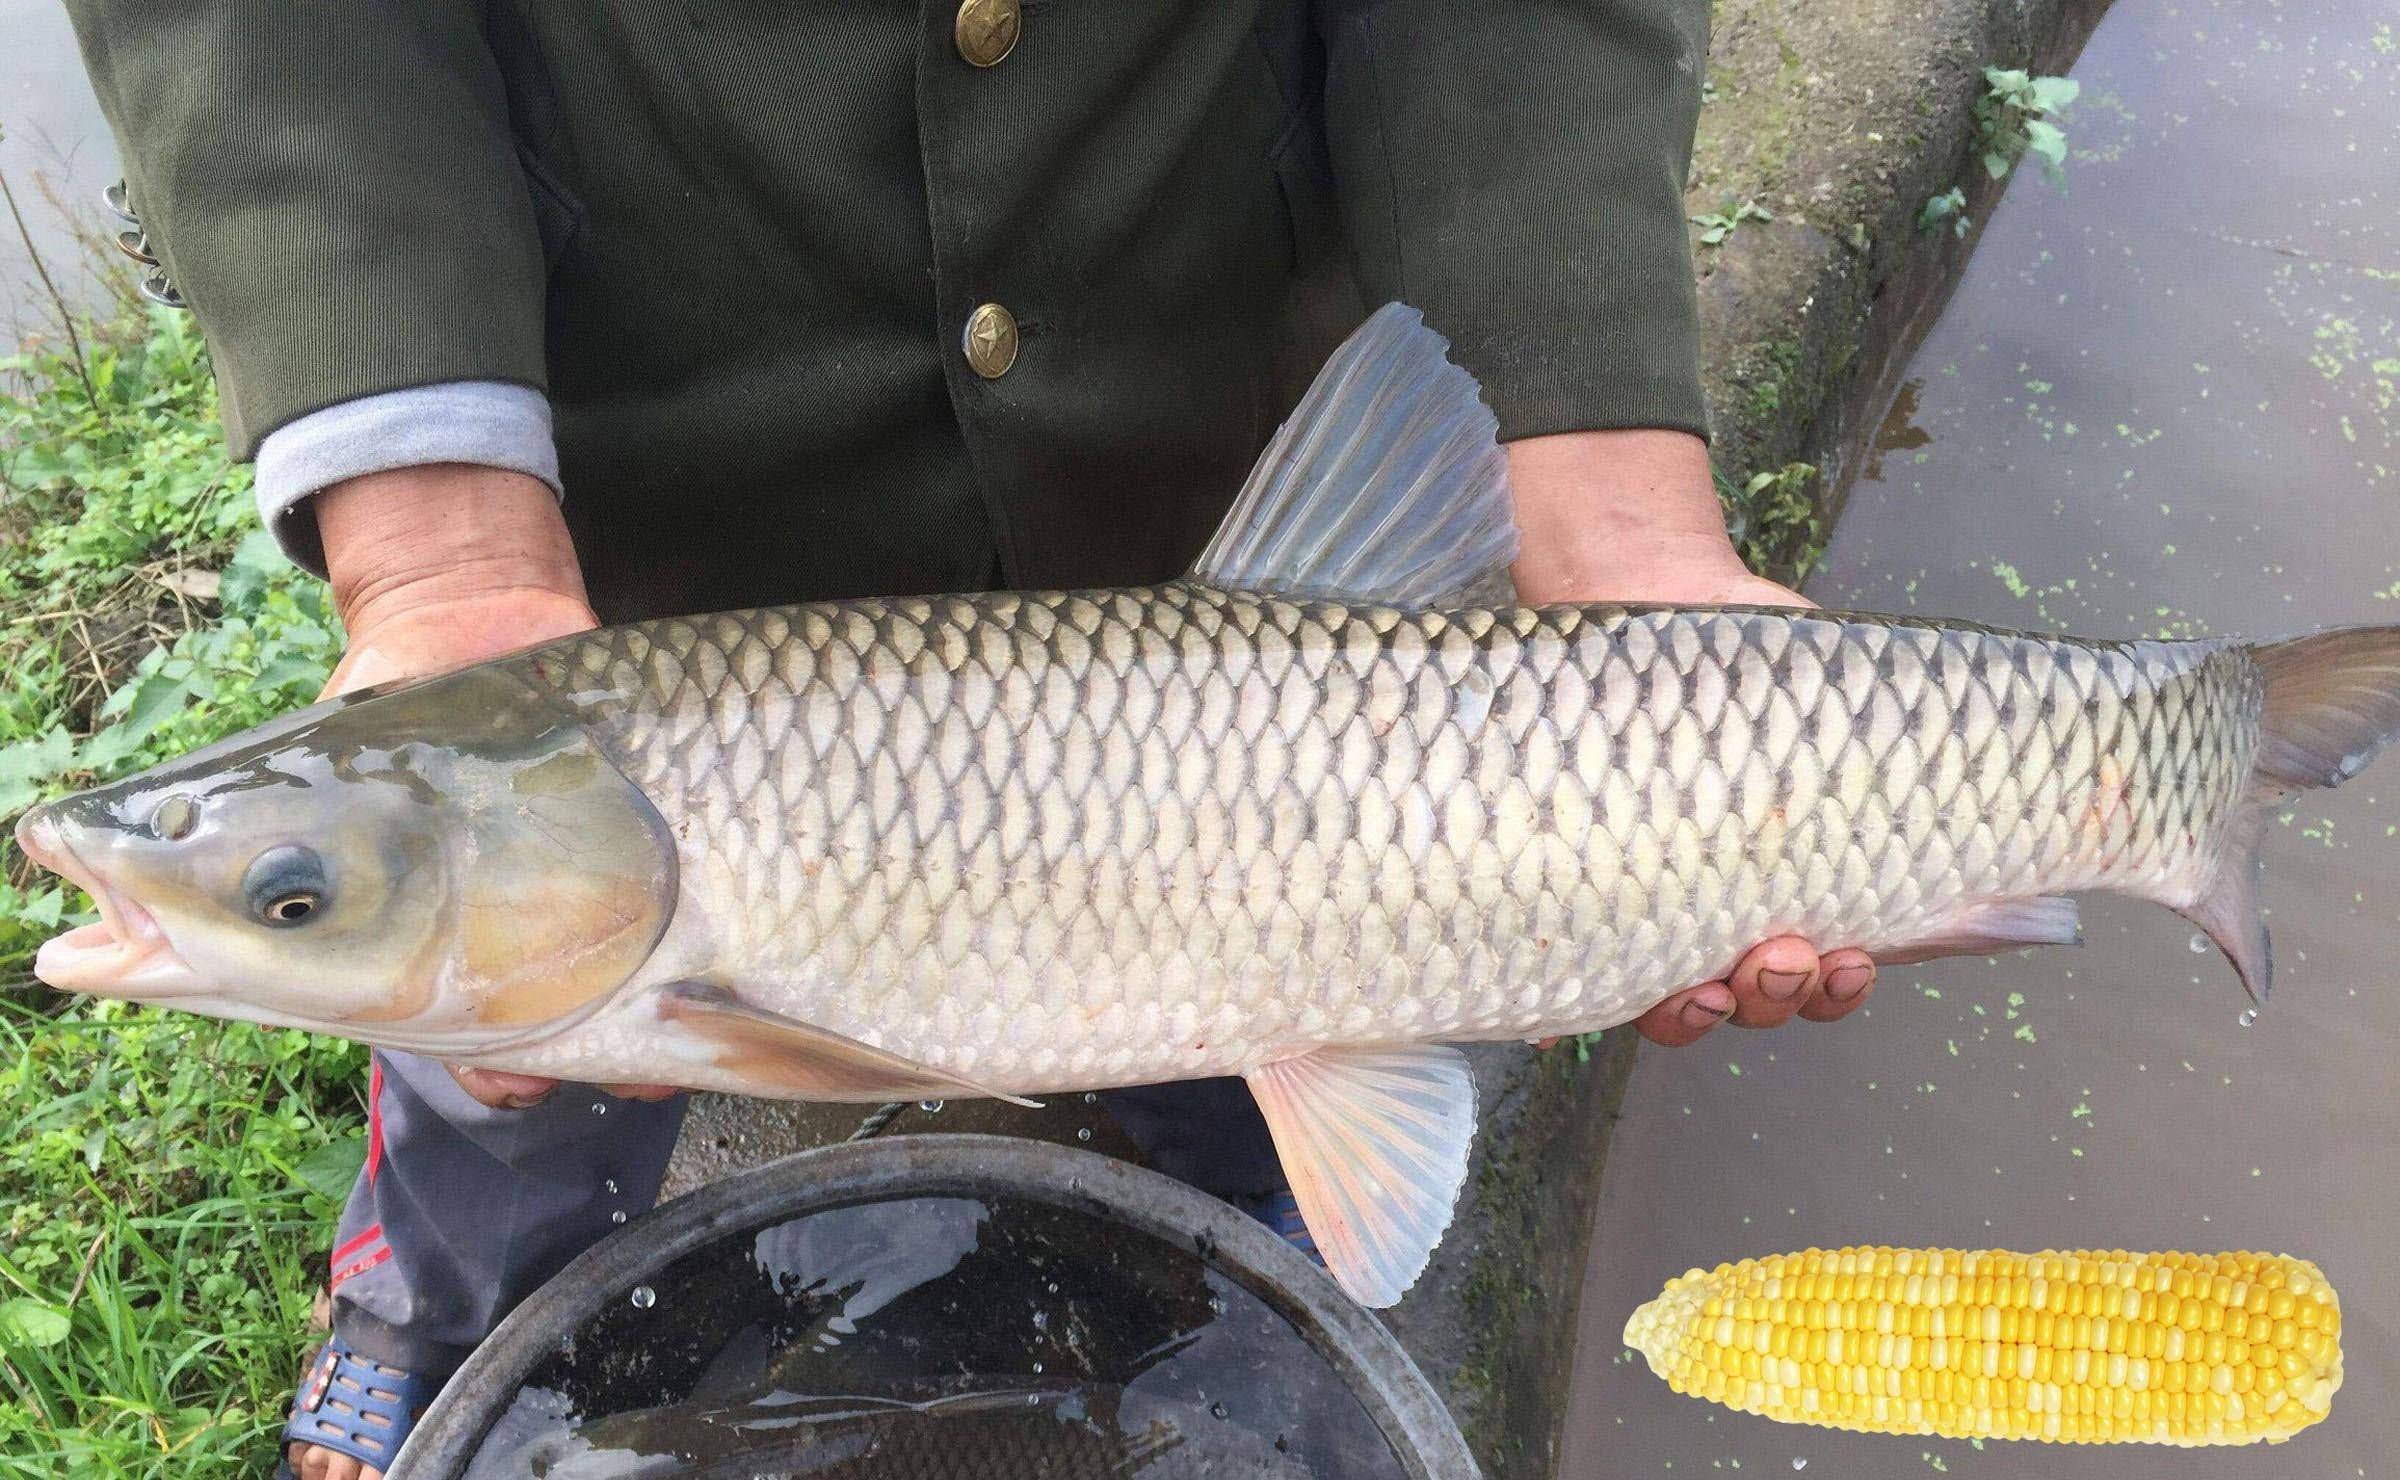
1387, 485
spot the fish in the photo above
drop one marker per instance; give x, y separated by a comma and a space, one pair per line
1313, 815
1068, 1432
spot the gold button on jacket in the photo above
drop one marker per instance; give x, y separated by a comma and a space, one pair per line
986, 30
991, 341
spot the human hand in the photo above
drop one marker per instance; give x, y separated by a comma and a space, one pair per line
438, 567
1633, 516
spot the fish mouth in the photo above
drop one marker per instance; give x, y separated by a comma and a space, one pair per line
122, 954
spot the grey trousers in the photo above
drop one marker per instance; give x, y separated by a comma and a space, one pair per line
461, 1211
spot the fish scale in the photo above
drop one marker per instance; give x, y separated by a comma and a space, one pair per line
1124, 836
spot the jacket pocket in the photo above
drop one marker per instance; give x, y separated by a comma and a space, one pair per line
557, 212
1303, 164
534, 128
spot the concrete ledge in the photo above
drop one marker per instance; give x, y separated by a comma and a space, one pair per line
1842, 118
1493, 1322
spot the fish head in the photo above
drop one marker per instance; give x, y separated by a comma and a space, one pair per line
450, 864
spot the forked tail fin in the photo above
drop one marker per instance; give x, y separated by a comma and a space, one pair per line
2332, 705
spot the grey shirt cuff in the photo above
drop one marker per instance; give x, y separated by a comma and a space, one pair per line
491, 423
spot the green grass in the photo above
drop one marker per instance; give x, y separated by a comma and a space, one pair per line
1774, 520
167, 1184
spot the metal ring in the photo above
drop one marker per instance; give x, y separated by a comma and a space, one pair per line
158, 289
134, 244
120, 203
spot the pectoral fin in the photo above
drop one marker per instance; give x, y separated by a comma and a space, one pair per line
1375, 1143
807, 1062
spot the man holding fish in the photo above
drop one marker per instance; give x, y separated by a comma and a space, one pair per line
538, 317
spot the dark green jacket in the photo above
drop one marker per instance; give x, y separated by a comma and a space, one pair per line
737, 243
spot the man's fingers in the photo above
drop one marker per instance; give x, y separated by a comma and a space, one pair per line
1774, 982
1849, 977
362, 667
500, 1089
1682, 1018
642, 1091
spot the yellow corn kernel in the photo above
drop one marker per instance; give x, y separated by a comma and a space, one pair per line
2085, 1347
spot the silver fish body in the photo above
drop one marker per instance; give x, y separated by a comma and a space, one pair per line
1119, 837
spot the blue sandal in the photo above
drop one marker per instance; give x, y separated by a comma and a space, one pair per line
355, 1405
1280, 1211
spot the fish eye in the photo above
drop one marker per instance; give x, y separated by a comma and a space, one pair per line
292, 908
172, 820
286, 886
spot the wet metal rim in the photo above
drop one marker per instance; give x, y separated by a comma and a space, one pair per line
1370, 1362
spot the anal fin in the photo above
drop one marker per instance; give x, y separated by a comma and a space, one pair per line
1991, 928
807, 1062
1375, 1143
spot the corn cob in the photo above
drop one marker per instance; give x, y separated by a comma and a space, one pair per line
2080, 1348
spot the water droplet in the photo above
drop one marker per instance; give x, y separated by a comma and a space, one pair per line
1084, 1134
611, 1186
1037, 1369
1052, 1287
1089, 1098
930, 1107
599, 1109
644, 1297
2249, 1016
2199, 944
617, 1217
1216, 1410
1798, 1463
1216, 1305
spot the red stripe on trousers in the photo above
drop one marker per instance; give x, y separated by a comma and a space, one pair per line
365, 1237
374, 1120
359, 1266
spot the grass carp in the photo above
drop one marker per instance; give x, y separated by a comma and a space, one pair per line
1308, 816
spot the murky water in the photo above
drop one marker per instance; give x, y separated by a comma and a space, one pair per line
2163, 402
50, 131
937, 1336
